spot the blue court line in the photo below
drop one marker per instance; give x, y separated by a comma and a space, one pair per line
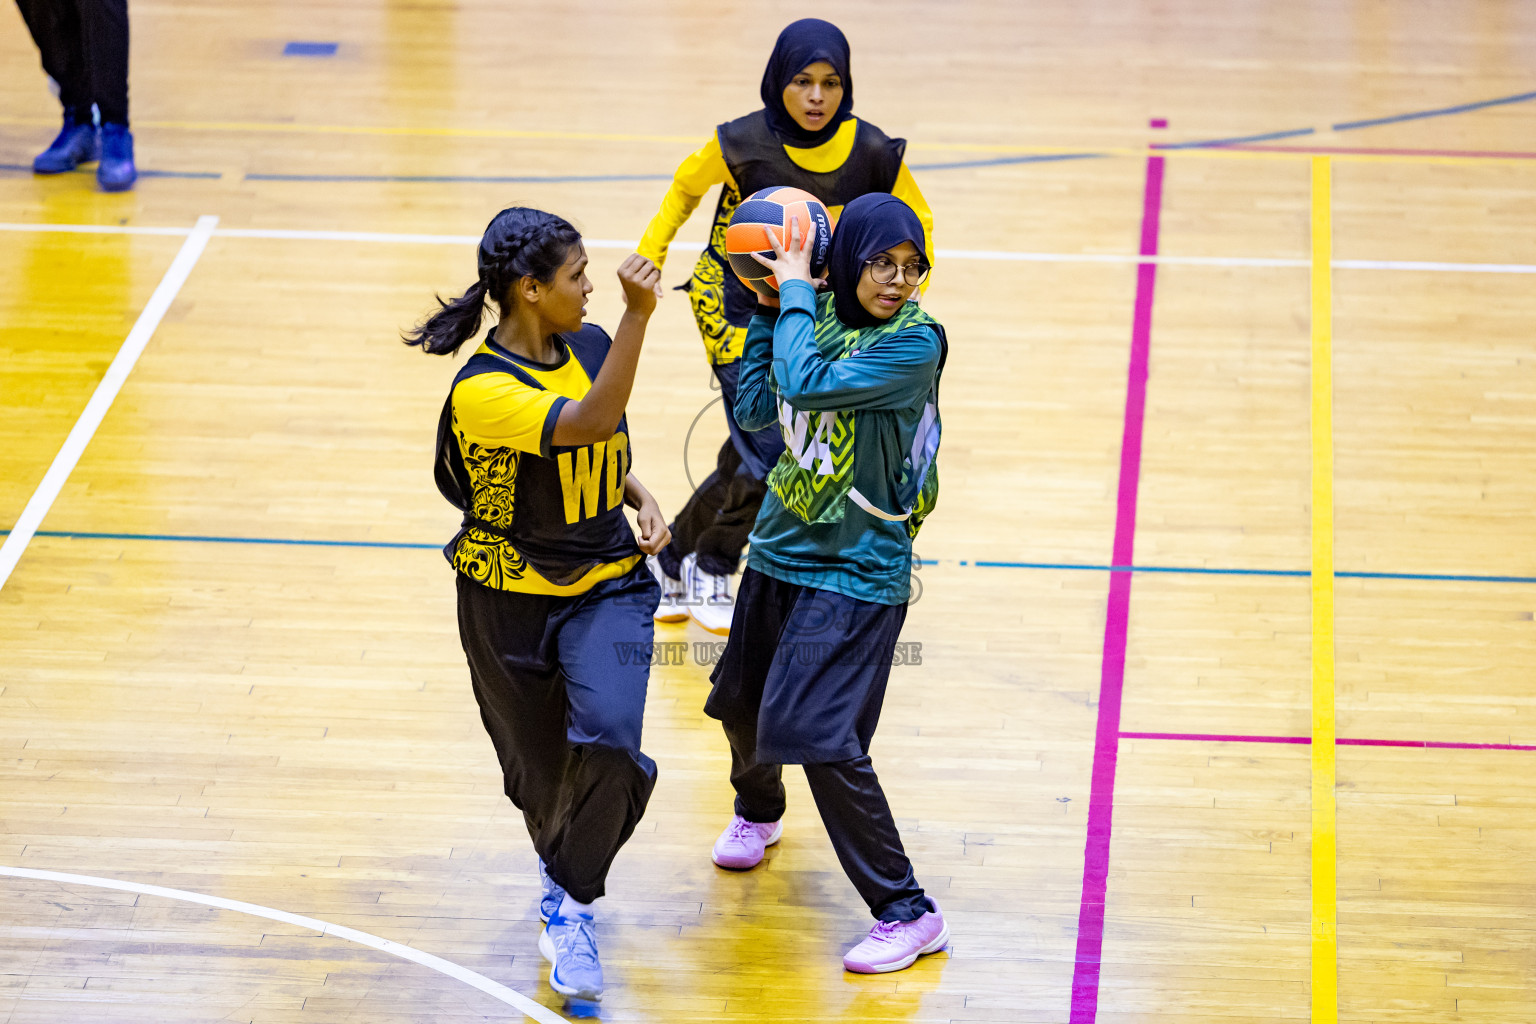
1462, 108
1265, 137
1035, 158
1184, 570
27, 168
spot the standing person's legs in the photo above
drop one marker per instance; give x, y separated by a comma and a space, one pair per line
720, 546
700, 511
762, 604
858, 819
55, 27
105, 24
820, 708
821, 704
521, 694
603, 644
759, 787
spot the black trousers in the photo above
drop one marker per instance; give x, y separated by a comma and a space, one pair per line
802, 680
718, 518
561, 686
84, 46
856, 815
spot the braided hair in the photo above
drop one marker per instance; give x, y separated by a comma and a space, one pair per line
519, 242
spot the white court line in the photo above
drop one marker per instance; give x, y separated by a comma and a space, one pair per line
85, 427
527, 1007
983, 255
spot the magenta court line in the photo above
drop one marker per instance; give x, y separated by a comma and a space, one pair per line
1216, 737
1106, 744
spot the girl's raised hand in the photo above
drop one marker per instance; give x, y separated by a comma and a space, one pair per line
641, 281
793, 263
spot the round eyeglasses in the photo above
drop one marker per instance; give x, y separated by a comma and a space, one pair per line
883, 271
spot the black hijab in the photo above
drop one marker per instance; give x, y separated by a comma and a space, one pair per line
870, 225
801, 44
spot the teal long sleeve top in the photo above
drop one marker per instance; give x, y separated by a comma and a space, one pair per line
885, 388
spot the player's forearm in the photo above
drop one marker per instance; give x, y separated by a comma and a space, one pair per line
597, 415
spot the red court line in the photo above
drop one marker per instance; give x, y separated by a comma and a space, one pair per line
1106, 744
1482, 154
1213, 737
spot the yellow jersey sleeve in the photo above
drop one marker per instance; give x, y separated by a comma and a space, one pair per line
695, 176
907, 191
499, 411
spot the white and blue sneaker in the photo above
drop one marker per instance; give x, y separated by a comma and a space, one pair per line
570, 945
549, 900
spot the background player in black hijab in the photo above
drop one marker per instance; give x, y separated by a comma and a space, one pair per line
804, 136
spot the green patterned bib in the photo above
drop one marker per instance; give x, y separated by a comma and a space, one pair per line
814, 476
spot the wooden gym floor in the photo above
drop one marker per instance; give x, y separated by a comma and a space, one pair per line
232, 700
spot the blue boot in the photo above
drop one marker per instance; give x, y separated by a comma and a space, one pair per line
116, 172
76, 144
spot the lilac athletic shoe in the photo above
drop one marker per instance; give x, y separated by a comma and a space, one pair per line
742, 843
896, 945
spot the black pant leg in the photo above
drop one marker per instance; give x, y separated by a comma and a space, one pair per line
700, 511
608, 780
522, 703
104, 28
858, 821
606, 791
720, 546
55, 27
759, 787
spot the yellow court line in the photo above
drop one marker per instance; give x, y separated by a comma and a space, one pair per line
1325, 885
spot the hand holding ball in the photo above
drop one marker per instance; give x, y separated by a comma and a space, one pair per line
759, 237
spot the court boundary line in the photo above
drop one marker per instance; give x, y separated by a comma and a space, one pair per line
80, 435
1342, 741
1027, 154
1167, 570
1324, 763
626, 245
508, 996
1087, 963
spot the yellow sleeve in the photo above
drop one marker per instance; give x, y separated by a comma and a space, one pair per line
499, 411
695, 176
907, 191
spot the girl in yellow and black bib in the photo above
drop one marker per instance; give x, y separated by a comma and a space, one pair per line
805, 136
555, 607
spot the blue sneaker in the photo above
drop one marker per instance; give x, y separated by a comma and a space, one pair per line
116, 172
570, 945
549, 902
76, 144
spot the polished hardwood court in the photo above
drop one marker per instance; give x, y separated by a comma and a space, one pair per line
229, 662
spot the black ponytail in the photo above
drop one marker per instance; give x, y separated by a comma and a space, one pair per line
519, 242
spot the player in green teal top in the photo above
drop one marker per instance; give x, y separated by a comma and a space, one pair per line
856, 397
852, 378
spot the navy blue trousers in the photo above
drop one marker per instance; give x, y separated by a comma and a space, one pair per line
561, 686
802, 680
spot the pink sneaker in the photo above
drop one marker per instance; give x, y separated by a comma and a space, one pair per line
896, 945
742, 843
